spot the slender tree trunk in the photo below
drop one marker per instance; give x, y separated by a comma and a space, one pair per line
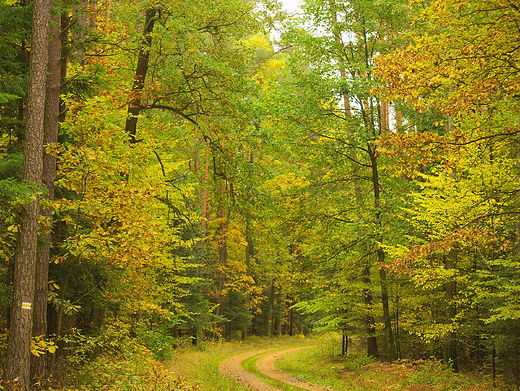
344, 343
450, 342
372, 349
391, 350
80, 11
222, 247
278, 318
205, 197
52, 104
20, 333
108, 15
250, 245
270, 318
398, 119
396, 322
135, 104
65, 48
385, 116
291, 322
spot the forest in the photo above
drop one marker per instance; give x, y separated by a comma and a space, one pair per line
173, 172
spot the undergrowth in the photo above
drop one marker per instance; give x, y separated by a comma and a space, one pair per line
357, 372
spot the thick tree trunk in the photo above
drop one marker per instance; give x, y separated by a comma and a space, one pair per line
20, 333
135, 104
52, 104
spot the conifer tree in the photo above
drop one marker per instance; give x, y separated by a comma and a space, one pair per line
19, 352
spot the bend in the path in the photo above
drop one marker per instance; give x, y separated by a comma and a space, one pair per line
232, 367
266, 365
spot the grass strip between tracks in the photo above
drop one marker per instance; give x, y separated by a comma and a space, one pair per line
249, 365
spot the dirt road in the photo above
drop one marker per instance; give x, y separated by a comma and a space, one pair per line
232, 367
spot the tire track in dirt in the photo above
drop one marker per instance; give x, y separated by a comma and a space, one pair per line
232, 367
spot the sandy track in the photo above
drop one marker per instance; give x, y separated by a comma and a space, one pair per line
232, 367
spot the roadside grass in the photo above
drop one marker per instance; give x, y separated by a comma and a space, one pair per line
323, 366
200, 366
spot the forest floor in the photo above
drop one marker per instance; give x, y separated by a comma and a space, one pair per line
234, 367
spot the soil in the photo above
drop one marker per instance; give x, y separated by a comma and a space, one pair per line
232, 367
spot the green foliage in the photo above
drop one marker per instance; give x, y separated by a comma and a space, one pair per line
133, 368
13, 195
156, 337
15, 22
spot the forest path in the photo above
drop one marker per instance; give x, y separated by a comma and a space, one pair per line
232, 367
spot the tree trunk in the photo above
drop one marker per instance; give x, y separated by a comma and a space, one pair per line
385, 116
134, 105
344, 343
291, 322
270, 317
278, 318
372, 349
80, 11
450, 342
391, 351
65, 49
52, 104
20, 333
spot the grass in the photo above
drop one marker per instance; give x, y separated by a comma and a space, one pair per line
323, 366
199, 365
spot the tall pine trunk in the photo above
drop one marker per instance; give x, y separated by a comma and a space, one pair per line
52, 105
21, 324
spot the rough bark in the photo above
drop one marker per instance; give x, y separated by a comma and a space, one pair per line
21, 325
52, 104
